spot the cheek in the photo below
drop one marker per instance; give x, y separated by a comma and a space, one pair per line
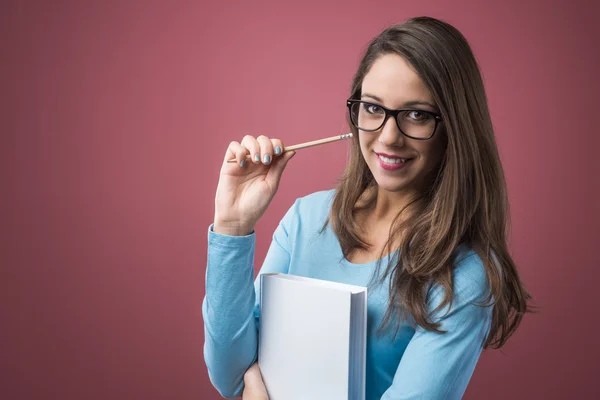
364, 143
433, 152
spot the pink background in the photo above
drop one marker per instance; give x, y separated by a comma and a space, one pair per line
115, 116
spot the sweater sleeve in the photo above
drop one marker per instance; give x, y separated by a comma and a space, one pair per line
440, 365
230, 307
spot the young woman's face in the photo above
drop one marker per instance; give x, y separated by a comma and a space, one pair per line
397, 162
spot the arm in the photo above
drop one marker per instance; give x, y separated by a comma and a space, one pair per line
439, 365
230, 307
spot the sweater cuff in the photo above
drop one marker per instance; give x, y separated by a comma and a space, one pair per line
230, 242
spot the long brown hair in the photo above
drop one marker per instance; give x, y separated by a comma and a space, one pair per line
466, 202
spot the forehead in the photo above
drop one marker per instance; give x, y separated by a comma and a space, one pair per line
395, 81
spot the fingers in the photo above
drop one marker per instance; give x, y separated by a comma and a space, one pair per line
276, 170
266, 149
269, 149
237, 151
262, 150
253, 148
277, 147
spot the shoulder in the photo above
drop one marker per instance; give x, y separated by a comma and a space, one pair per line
470, 276
309, 212
316, 202
470, 280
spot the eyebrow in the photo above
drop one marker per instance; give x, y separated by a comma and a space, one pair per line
407, 104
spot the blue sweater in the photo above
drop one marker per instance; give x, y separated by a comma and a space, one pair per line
415, 364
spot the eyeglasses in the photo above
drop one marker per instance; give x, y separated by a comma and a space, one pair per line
412, 122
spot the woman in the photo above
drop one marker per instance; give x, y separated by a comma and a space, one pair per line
420, 216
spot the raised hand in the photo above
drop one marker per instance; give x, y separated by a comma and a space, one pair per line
247, 187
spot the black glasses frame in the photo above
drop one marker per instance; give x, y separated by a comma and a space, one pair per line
393, 113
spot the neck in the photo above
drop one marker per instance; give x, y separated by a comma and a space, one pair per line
388, 204
377, 210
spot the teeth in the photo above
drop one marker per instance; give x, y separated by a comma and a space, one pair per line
392, 160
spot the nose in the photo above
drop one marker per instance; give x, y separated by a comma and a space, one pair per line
390, 135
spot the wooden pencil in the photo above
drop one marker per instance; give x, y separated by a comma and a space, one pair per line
309, 144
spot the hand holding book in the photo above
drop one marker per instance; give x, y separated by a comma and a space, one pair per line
254, 387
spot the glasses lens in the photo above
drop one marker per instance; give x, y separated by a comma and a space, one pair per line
416, 124
368, 117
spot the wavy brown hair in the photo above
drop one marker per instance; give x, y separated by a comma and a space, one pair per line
465, 202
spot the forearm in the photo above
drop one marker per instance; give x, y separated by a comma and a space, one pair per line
230, 344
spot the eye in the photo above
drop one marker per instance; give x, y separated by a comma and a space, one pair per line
418, 116
372, 109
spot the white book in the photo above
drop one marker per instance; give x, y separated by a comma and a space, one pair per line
312, 338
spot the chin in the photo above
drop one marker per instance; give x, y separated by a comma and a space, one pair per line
392, 185
395, 182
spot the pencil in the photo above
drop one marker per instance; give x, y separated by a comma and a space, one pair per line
309, 144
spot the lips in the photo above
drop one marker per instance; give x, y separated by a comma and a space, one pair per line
390, 162
392, 159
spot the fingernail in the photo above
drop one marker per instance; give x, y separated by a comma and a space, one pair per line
267, 158
257, 157
278, 150
243, 163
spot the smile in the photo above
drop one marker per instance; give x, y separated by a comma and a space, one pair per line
391, 163
392, 160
